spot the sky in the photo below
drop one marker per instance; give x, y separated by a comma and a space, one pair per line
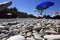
28, 6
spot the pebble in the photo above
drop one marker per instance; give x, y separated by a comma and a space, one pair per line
36, 28
30, 38
28, 28
42, 32
29, 34
4, 39
16, 37
36, 35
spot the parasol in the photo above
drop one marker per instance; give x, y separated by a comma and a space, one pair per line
43, 6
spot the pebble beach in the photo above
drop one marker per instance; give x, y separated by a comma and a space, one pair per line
28, 28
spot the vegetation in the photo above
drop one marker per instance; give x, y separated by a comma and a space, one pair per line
14, 13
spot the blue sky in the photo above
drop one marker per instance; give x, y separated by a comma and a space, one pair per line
28, 6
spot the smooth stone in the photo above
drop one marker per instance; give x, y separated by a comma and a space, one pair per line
49, 25
4, 39
57, 26
30, 26
30, 38
2, 27
37, 28
37, 36
42, 32
5, 31
34, 31
16, 37
2, 35
29, 34
50, 21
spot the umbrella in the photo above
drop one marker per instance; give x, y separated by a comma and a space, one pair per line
44, 6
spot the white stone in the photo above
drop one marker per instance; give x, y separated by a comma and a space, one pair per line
30, 38
49, 25
29, 34
16, 37
37, 27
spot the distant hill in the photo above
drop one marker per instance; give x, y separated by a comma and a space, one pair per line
14, 13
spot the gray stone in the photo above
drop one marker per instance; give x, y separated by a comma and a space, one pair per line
37, 36
4, 39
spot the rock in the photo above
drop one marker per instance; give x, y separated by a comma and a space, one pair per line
30, 26
2, 35
50, 21
37, 36
34, 31
5, 31
57, 26
42, 32
4, 39
38, 24
16, 31
30, 38
36, 28
0, 39
2, 27
16, 37
49, 25
29, 34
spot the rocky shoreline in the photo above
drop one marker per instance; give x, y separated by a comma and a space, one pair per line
29, 29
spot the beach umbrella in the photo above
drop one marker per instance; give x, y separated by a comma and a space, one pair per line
43, 6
